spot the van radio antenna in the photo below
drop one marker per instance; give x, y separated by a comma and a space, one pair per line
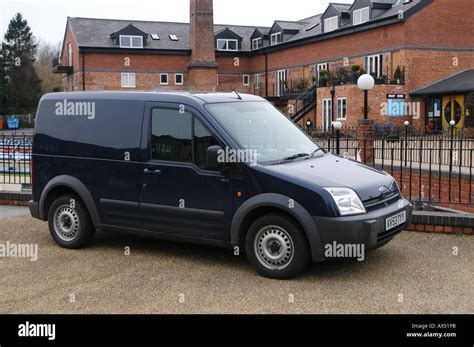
238, 95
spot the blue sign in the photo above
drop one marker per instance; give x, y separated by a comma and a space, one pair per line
13, 122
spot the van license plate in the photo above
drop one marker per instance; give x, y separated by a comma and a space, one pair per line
396, 220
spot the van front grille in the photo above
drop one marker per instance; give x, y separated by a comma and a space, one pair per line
382, 201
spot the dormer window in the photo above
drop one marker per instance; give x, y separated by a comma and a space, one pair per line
129, 41
257, 43
361, 16
275, 39
331, 24
227, 45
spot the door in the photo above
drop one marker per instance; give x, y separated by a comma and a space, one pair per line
453, 109
179, 196
307, 75
280, 82
327, 114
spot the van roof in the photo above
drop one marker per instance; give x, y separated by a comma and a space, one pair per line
155, 96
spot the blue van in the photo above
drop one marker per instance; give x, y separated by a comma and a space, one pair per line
223, 170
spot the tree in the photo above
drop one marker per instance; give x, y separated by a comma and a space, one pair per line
19, 51
50, 82
5, 95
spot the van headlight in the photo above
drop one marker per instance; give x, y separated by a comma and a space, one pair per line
347, 201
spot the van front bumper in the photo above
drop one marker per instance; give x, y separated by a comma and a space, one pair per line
368, 229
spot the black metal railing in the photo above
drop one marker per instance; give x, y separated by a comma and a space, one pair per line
431, 169
15, 160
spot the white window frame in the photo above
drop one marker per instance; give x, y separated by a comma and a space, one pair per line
227, 45
131, 41
174, 37
167, 79
246, 84
374, 64
276, 39
340, 103
358, 16
326, 111
257, 43
69, 55
331, 24
125, 76
320, 67
256, 81
175, 81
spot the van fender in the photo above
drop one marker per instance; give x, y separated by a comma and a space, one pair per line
281, 202
81, 190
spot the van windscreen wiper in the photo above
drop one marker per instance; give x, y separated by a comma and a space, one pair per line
294, 157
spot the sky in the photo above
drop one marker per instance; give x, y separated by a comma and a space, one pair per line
47, 18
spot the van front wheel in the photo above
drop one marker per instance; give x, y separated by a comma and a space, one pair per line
69, 223
276, 246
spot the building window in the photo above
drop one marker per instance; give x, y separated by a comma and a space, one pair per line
374, 65
227, 45
331, 24
361, 16
246, 80
321, 67
256, 81
164, 79
257, 43
174, 37
179, 79
69, 55
275, 39
128, 41
155, 37
342, 108
128, 80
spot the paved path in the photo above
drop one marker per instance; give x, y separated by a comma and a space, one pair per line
416, 273
13, 211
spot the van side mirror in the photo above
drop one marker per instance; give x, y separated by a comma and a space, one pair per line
213, 163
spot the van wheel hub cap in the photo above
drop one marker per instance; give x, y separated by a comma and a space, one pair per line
66, 223
274, 247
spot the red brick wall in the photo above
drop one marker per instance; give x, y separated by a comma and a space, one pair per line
463, 188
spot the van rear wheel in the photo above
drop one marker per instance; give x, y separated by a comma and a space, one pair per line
277, 247
69, 223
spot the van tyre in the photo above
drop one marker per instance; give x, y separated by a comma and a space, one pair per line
277, 247
70, 223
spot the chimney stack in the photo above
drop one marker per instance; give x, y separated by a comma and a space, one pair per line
203, 67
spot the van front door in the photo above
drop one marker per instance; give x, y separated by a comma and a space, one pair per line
179, 196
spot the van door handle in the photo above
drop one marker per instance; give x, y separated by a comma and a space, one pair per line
152, 172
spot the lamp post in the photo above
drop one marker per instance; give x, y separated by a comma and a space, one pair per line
366, 83
337, 126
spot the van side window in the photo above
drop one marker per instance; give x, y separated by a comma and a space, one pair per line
171, 135
203, 139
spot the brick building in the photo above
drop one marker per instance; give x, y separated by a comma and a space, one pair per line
308, 68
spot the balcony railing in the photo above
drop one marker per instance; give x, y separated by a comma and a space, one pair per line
342, 76
57, 67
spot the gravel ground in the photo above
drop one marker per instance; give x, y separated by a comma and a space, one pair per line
161, 277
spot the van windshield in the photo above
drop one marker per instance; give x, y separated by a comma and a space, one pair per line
263, 131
